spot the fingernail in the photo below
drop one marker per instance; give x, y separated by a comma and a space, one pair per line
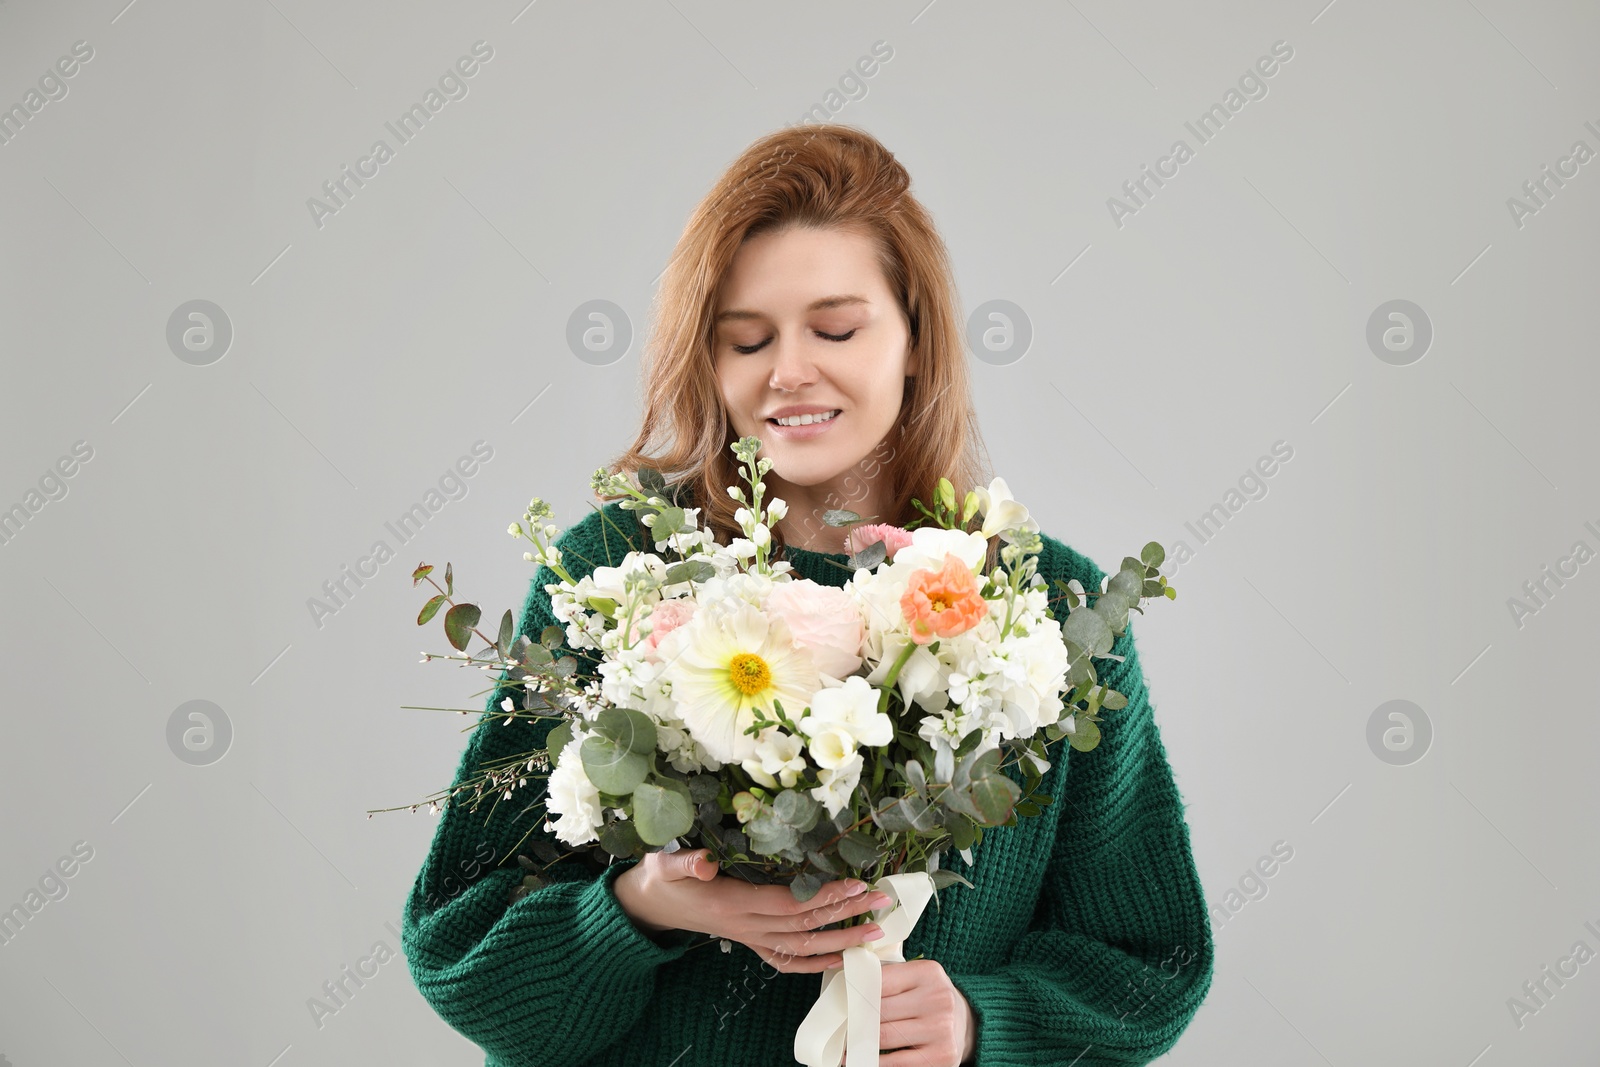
874, 934
880, 900
856, 889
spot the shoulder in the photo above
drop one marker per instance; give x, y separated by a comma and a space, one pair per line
1057, 559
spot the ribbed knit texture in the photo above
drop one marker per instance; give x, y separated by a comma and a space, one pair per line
1086, 941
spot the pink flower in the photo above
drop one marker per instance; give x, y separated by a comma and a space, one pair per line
824, 621
666, 617
893, 537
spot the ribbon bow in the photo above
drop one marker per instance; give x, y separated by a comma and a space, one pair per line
847, 1008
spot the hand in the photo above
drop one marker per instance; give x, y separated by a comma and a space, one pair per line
925, 1016
683, 890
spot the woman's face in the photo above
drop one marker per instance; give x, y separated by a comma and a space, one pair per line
805, 320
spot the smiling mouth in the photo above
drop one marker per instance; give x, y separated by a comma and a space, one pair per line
807, 420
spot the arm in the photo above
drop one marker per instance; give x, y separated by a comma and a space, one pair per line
562, 973
1119, 955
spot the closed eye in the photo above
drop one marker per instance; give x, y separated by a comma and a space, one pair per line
746, 350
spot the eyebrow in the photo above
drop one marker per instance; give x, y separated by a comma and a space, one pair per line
823, 304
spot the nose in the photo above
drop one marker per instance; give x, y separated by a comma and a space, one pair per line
792, 367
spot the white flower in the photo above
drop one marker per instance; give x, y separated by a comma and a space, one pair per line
573, 798
851, 709
777, 509
728, 660
1001, 511
777, 753
837, 784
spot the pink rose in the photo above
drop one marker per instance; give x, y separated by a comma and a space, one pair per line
664, 618
893, 537
824, 621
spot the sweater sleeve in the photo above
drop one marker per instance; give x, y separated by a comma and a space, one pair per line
1118, 955
562, 973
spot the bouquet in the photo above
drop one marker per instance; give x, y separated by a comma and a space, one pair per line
803, 732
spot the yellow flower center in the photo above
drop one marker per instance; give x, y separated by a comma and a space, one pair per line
749, 673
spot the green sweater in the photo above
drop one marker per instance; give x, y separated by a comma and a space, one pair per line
1086, 940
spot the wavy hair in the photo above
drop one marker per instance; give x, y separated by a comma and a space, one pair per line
819, 176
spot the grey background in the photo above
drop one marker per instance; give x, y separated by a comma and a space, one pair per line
1167, 355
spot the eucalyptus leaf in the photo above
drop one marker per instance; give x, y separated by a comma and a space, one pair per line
704, 787
621, 838
1088, 630
507, 629
458, 624
1086, 737
429, 609
557, 739
859, 849
613, 769
805, 885
662, 811
797, 808
1153, 554
628, 729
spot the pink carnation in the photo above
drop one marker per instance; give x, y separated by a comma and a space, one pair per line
664, 618
893, 537
824, 621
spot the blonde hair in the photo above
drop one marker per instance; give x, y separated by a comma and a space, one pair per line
819, 176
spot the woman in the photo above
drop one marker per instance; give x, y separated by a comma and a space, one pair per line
811, 281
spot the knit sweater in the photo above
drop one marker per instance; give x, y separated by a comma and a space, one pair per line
1086, 940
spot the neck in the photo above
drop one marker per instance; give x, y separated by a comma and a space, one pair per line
803, 527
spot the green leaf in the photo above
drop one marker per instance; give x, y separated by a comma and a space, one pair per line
422, 571
805, 885
944, 876
449, 581
507, 628
662, 810
859, 849
769, 834
1153, 554
825, 862
458, 624
1088, 630
704, 787
797, 808
557, 740
429, 609
690, 570
552, 636
652, 482
621, 838
993, 794
870, 556
840, 517
613, 769
1113, 700
629, 730
1086, 737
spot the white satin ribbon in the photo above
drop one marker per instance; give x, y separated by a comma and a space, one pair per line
847, 1009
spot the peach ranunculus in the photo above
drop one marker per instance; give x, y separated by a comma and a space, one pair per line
942, 603
664, 618
894, 538
824, 621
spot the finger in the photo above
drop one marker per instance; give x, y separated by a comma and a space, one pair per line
694, 863
833, 942
846, 908
780, 900
790, 963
